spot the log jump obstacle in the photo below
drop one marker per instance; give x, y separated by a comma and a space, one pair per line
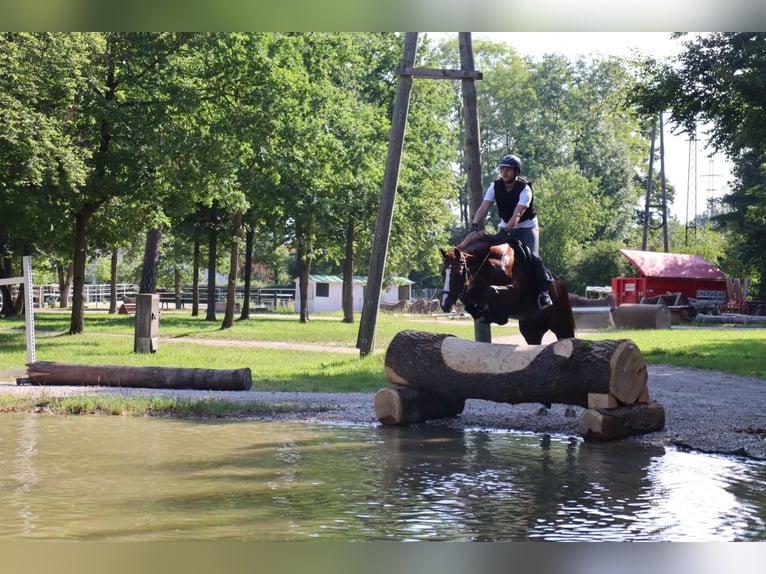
434, 374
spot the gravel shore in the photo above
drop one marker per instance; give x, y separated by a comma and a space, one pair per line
705, 411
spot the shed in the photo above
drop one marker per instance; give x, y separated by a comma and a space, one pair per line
325, 292
661, 273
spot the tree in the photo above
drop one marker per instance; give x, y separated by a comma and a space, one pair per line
719, 81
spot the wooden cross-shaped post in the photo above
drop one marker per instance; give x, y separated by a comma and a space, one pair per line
366, 338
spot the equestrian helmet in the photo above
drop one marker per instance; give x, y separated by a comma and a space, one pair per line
511, 161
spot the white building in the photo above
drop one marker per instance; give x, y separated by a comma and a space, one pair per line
325, 293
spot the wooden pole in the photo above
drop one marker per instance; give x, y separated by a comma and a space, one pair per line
147, 325
367, 324
664, 188
649, 177
370, 305
482, 331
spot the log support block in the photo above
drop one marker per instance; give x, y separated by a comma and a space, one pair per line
402, 406
611, 424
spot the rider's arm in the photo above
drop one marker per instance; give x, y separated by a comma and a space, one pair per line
481, 213
525, 198
517, 213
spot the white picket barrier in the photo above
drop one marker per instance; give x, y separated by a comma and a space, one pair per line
29, 307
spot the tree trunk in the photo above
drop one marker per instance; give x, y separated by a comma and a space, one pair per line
567, 371
50, 373
303, 239
151, 256
211, 255
6, 272
195, 279
113, 283
231, 286
77, 319
348, 275
65, 285
249, 237
177, 286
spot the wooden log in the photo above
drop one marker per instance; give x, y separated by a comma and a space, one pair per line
51, 373
403, 405
611, 424
565, 371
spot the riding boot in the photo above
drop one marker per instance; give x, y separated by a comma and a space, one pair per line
543, 298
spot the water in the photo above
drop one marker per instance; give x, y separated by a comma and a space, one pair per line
145, 479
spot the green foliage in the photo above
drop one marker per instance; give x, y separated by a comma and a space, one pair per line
565, 202
718, 81
596, 264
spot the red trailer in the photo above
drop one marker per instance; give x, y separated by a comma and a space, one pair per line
662, 273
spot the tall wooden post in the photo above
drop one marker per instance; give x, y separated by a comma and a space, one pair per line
649, 178
147, 327
482, 331
366, 338
664, 188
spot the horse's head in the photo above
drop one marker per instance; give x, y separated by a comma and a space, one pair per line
454, 274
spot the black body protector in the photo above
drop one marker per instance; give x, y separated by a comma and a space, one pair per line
506, 200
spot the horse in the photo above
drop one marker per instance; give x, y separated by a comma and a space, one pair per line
495, 284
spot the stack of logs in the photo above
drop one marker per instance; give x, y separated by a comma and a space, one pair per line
434, 374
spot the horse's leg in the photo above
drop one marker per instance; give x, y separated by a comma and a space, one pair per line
533, 330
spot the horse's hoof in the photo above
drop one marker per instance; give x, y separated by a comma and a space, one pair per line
570, 411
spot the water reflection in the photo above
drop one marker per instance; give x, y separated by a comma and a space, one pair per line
113, 478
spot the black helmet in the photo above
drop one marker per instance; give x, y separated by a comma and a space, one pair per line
511, 161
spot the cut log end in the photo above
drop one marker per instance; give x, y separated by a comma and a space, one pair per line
628, 373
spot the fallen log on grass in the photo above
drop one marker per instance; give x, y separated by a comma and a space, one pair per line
52, 373
569, 371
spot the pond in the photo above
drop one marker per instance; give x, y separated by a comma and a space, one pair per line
150, 479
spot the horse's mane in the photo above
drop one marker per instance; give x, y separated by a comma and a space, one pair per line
476, 244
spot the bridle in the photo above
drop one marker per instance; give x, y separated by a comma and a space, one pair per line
466, 270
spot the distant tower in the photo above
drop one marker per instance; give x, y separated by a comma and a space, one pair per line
691, 176
711, 188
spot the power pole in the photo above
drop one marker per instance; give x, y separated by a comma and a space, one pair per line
663, 205
367, 325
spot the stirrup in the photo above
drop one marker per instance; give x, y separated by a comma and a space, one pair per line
544, 301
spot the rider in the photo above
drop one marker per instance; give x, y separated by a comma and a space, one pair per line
518, 218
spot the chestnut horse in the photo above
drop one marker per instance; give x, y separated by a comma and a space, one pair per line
495, 284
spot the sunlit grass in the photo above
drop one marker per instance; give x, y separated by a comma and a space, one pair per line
108, 339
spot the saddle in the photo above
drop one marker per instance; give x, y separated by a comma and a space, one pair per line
521, 252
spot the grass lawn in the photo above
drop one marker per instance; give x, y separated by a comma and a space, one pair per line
108, 339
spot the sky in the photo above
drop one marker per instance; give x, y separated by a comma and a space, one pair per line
712, 174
